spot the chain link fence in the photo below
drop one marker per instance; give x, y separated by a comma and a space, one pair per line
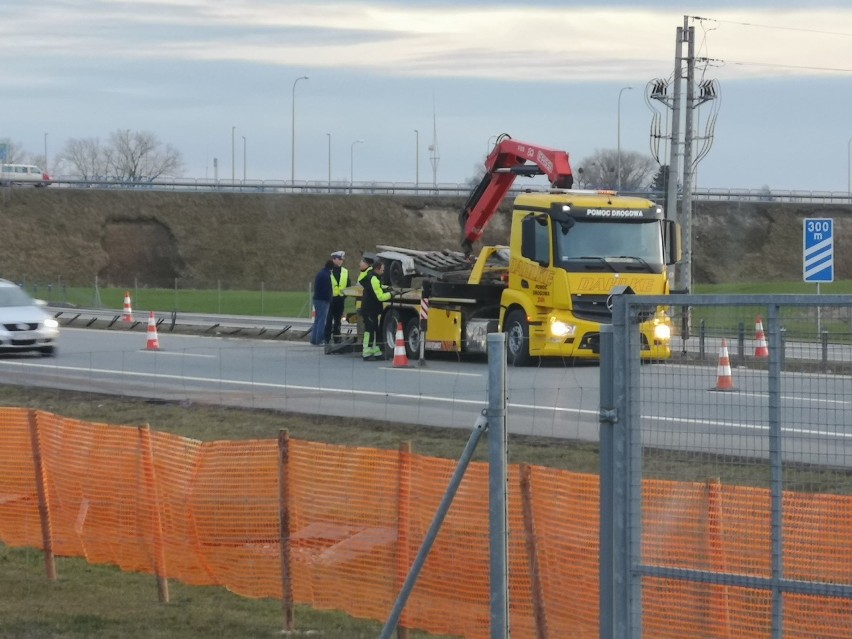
726, 472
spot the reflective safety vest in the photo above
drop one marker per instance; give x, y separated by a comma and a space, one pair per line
337, 288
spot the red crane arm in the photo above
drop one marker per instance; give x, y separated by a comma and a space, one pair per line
507, 160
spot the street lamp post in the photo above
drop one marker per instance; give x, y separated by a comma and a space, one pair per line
233, 170
45, 153
416, 159
329, 162
293, 134
244, 159
618, 143
352, 163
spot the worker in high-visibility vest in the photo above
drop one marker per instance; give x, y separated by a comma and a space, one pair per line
339, 283
366, 267
371, 308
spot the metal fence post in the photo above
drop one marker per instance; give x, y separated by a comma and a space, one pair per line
629, 372
621, 507
498, 462
776, 473
741, 345
608, 418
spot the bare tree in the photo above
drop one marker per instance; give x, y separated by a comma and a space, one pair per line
86, 157
129, 156
138, 156
600, 170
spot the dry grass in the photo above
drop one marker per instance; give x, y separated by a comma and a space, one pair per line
211, 423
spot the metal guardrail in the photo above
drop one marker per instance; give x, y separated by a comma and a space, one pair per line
291, 328
442, 189
242, 325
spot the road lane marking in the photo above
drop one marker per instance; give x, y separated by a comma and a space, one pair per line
158, 352
792, 398
426, 370
385, 394
757, 427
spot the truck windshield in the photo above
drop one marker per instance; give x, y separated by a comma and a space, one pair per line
610, 246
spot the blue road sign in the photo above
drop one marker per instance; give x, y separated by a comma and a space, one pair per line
818, 250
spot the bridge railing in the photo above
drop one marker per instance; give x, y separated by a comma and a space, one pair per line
443, 189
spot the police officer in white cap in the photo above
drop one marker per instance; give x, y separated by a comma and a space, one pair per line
339, 282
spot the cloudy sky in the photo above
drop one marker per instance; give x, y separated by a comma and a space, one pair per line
404, 75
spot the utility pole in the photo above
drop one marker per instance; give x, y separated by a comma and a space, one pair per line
684, 108
434, 156
672, 181
416, 159
688, 168
618, 143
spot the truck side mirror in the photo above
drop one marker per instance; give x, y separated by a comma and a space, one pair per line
535, 239
672, 241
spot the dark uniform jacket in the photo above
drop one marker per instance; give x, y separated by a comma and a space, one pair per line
374, 295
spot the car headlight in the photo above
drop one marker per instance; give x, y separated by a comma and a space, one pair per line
558, 328
51, 323
662, 332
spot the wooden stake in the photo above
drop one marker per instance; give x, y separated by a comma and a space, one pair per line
539, 609
150, 478
41, 492
403, 523
284, 527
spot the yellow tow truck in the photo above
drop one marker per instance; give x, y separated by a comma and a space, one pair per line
550, 288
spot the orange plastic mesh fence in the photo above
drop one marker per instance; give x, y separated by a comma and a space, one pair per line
208, 513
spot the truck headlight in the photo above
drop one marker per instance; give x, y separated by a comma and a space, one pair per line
558, 328
662, 332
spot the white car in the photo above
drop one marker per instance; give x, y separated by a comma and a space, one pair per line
24, 324
23, 175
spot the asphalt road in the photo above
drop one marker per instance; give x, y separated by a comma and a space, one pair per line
679, 407
288, 375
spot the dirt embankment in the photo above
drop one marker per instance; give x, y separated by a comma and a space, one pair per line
241, 241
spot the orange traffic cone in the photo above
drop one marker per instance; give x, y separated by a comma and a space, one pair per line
724, 379
400, 359
128, 312
153, 342
760, 349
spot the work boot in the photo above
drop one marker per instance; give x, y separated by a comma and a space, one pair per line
366, 350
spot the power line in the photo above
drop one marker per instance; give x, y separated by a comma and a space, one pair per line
773, 64
712, 61
768, 26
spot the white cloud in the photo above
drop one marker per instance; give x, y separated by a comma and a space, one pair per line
523, 43
191, 69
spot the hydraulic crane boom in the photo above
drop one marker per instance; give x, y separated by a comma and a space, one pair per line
507, 160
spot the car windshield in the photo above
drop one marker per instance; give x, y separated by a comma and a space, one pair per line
14, 296
611, 245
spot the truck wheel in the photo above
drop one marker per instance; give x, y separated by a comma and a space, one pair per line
391, 319
412, 338
397, 278
518, 339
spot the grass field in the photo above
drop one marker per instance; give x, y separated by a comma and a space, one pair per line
225, 302
297, 303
